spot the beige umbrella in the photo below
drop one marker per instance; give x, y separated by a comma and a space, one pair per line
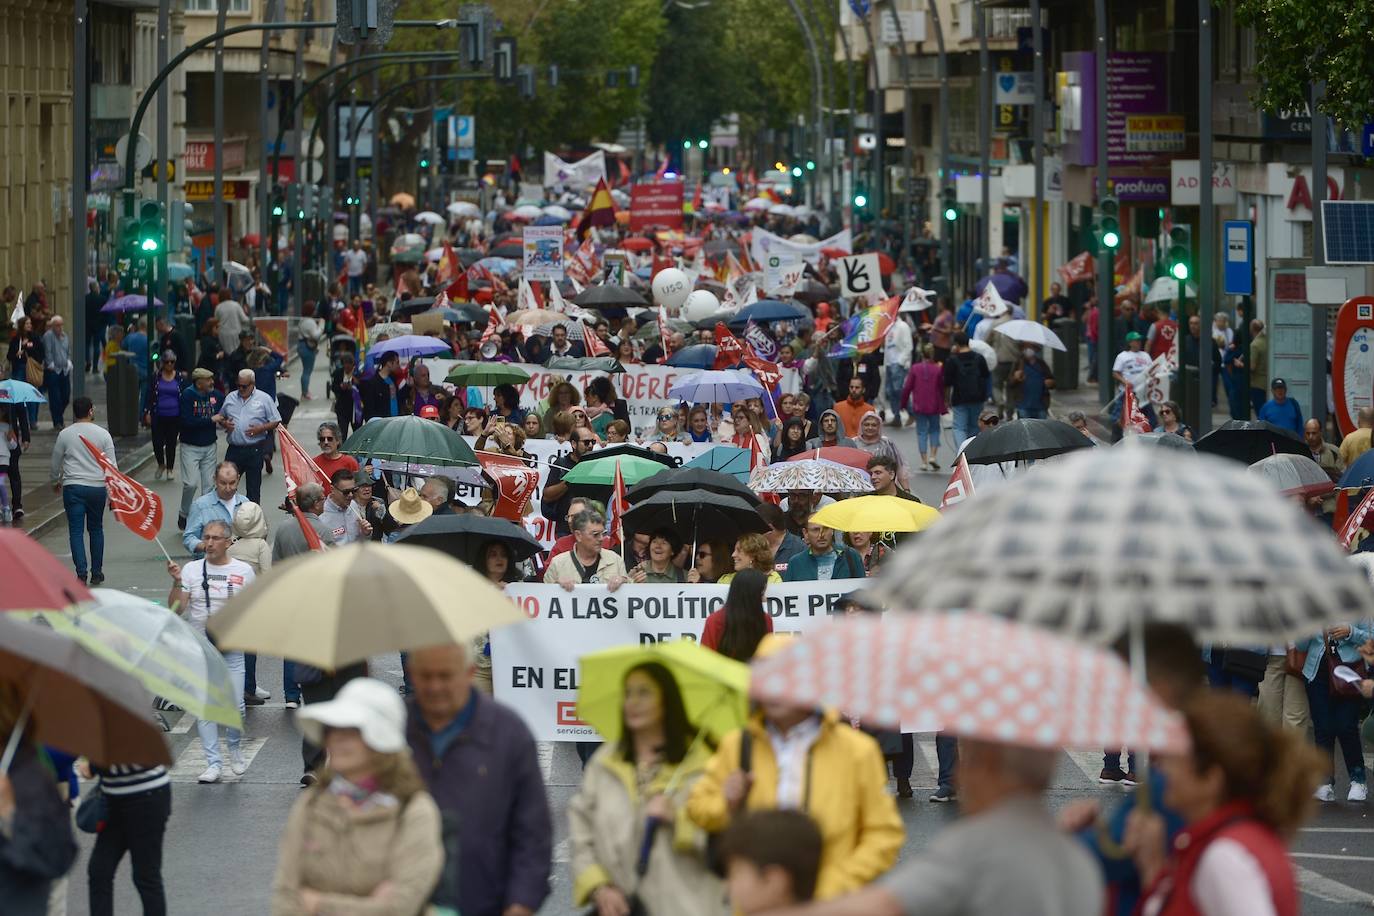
341, 606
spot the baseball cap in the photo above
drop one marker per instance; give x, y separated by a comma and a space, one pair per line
1278, 383
1135, 335
201, 373
429, 412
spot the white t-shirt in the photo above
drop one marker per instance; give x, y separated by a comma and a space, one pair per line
1133, 366
356, 260
208, 586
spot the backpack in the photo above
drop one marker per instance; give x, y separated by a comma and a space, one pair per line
968, 378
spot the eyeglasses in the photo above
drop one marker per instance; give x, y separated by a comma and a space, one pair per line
667, 416
326, 438
1164, 410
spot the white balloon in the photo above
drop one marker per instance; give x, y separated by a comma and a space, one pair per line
671, 287
700, 304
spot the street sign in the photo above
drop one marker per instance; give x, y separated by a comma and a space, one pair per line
1239, 273
1367, 140
462, 137
143, 151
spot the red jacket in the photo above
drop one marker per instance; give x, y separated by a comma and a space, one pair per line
715, 628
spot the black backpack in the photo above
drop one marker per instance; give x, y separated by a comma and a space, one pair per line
968, 378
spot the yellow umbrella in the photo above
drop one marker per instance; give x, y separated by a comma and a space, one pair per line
335, 607
714, 688
877, 513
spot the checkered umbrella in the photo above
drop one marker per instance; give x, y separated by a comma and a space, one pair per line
914, 672
809, 474
1090, 541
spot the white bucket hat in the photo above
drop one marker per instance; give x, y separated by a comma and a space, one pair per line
366, 704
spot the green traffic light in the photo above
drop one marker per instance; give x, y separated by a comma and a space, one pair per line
1179, 270
860, 201
796, 171
811, 165
148, 244
703, 144
951, 214
424, 163
1110, 239
686, 144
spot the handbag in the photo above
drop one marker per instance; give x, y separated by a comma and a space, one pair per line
1331, 658
1244, 664
34, 370
1294, 660
92, 812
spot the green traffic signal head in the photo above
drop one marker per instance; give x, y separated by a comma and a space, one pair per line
1111, 232
702, 144
1180, 270
796, 171
424, 162
951, 213
277, 209
861, 200
686, 144
811, 165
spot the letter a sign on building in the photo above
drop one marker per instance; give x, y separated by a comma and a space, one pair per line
860, 275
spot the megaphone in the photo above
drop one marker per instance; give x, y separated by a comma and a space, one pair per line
489, 349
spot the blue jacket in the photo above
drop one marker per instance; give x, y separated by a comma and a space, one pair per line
197, 427
1288, 414
1347, 649
802, 566
1123, 878
208, 508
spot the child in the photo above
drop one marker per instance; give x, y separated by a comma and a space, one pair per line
772, 858
8, 442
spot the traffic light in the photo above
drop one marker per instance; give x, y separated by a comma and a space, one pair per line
294, 212
949, 204
860, 197
811, 165
308, 202
424, 161
1180, 252
703, 143
505, 64
325, 204
1108, 225
278, 204
179, 225
152, 228
127, 238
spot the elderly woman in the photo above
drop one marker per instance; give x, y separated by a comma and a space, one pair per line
365, 838
658, 566
667, 428
872, 440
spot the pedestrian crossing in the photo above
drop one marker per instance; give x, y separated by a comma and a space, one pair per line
191, 762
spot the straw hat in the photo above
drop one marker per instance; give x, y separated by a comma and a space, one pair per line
410, 509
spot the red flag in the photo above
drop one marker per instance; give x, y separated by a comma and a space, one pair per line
729, 349
756, 458
493, 327
615, 508
1356, 521
449, 267
767, 373
458, 289
513, 482
136, 506
1133, 419
960, 486
593, 344
624, 172
600, 210
663, 332
312, 537
696, 198
296, 464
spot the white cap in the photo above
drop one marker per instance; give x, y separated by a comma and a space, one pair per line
366, 704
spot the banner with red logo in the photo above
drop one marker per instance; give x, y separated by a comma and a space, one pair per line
1357, 520
513, 483
138, 508
296, 464
729, 348
960, 486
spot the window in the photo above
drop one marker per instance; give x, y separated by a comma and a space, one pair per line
212, 6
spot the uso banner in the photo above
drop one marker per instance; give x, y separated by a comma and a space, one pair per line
534, 663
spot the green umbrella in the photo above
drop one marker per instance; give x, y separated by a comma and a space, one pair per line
163, 652
585, 364
413, 440
486, 374
601, 471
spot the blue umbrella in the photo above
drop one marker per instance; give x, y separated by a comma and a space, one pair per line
1360, 474
13, 391
727, 459
129, 303
179, 272
547, 220
769, 310
1010, 286
716, 387
408, 345
697, 356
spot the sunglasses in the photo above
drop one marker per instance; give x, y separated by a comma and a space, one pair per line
347, 491
990, 421
586, 442
1164, 410
326, 439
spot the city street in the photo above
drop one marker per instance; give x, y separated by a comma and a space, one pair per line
221, 846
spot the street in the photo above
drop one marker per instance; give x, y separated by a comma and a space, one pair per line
221, 846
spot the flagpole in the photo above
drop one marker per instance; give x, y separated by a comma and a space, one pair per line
162, 548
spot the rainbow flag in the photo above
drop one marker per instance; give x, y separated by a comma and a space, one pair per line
863, 332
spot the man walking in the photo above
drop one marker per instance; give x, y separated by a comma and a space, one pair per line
219, 505
57, 369
1259, 364
966, 380
897, 349
340, 516
378, 393
823, 559
1281, 410
248, 417
355, 260
78, 477
199, 404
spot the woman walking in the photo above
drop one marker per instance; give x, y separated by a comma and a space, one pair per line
311, 332
737, 628
1336, 712
164, 414
924, 394
138, 803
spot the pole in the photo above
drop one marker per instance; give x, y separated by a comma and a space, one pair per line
1038, 139
302, 176
221, 229
876, 106
80, 179
376, 155
1319, 121
355, 212
980, 24
164, 29
946, 266
908, 130
264, 189
1206, 245
1105, 357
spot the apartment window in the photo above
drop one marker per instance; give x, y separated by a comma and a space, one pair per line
212, 6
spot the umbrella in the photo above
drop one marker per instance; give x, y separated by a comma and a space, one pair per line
1294, 475
714, 688
758, 203
165, 653
722, 246
723, 386
34, 579
429, 216
1165, 289
697, 356
607, 294
638, 243
1104, 538
1024, 440
413, 440
877, 513
576, 330
585, 364
638, 451
403, 200
694, 477
727, 459
533, 318
13, 391
600, 471
1159, 439
881, 670
360, 600
562, 214
464, 208
470, 256
1009, 286
704, 513
649, 331
769, 310
461, 313
487, 374
463, 537
177, 272
409, 345
811, 292
1031, 332
129, 303
809, 474
985, 350
1248, 441
1360, 474
525, 213
507, 250
78, 703
855, 458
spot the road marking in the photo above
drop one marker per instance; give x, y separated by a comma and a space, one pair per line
1089, 763
545, 750
191, 763
1331, 856
1331, 890
184, 724
1338, 830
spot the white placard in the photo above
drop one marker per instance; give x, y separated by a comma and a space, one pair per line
860, 275
543, 253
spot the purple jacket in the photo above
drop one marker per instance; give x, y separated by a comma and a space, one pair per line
924, 390
496, 821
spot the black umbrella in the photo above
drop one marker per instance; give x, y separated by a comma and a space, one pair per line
413, 306
585, 364
1249, 441
688, 478
812, 292
507, 250
638, 451
464, 536
470, 256
722, 246
598, 297
1024, 440
1160, 439
714, 516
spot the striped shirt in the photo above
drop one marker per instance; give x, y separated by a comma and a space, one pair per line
124, 779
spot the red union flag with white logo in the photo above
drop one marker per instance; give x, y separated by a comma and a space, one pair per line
138, 507
960, 486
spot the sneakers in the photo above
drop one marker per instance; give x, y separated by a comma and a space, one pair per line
293, 704
1326, 793
262, 694
210, 775
308, 780
1358, 792
904, 787
237, 765
943, 794
181, 523
251, 699
1111, 776
1131, 779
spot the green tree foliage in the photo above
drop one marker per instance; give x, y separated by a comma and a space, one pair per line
1301, 42
695, 79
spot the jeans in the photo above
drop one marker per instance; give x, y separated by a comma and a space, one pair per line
307, 355
248, 459
289, 688
355, 285
1092, 360
1032, 413
927, 433
85, 508
59, 385
947, 755
896, 378
965, 422
1111, 760
250, 673
1335, 719
209, 731
197, 473
165, 430
1257, 398
134, 824
95, 348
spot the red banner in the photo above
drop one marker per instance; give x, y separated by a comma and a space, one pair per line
1356, 521
513, 482
656, 204
729, 349
136, 506
960, 486
296, 464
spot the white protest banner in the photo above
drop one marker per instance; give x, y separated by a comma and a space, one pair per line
583, 172
535, 662
543, 253
861, 276
763, 243
781, 273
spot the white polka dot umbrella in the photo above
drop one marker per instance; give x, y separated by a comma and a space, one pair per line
915, 672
